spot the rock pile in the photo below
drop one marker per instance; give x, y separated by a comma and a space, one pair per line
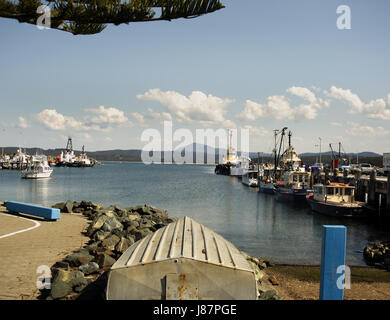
378, 255
111, 231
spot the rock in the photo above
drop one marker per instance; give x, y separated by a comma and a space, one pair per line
104, 260
270, 295
89, 268
100, 235
60, 289
78, 258
273, 280
68, 206
123, 244
60, 206
268, 262
112, 224
110, 242
61, 265
140, 234
65, 281
98, 222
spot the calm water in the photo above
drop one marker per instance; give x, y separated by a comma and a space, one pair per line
254, 222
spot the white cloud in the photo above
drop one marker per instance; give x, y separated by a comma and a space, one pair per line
103, 120
198, 107
336, 124
257, 131
279, 107
359, 130
22, 123
107, 116
375, 109
139, 117
160, 116
56, 121
108, 139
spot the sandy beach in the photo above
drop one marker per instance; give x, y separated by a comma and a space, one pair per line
303, 283
22, 253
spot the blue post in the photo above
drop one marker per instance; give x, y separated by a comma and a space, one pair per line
332, 256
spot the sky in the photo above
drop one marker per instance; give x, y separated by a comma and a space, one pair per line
260, 65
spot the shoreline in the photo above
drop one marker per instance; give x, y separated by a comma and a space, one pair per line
53, 242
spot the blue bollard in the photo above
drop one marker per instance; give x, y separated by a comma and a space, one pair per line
332, 257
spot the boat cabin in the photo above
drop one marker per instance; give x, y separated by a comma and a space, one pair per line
297, 179
334, 192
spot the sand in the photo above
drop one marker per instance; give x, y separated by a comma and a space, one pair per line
21, 254
303, 283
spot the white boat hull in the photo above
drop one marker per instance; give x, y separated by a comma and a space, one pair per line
36, 175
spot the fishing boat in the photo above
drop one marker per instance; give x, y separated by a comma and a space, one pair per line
240, 167
39, 169
295, 186
250, 178
336, 199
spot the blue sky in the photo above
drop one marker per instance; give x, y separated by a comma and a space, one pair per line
257, 64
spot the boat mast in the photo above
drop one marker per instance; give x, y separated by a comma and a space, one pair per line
320, 149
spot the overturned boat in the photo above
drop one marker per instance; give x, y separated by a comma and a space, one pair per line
182, 261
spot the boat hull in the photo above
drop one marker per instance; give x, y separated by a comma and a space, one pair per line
291, 194
268, 188
334, 210
33, 175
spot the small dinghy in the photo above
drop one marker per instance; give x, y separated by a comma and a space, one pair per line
182, 261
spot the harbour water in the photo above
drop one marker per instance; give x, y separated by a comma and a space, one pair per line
256, 223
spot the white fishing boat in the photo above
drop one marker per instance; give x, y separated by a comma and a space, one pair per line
250, 178
242, 166
39, 169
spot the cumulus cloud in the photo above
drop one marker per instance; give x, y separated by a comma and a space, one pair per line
257, 131
198, 107
335, 124
159, 116
104, 119
279, 107
56, 121
375, 109
359, 130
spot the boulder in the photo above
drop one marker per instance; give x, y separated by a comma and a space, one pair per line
96, 224
65, 281
100, 235
123, 244
104, 260
110, 242
60, 206
112, 224
78, 258
270, 295
89, 268
68, 206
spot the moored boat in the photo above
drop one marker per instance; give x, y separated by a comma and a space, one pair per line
39, 169
336, 199
250, 178
295, 186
